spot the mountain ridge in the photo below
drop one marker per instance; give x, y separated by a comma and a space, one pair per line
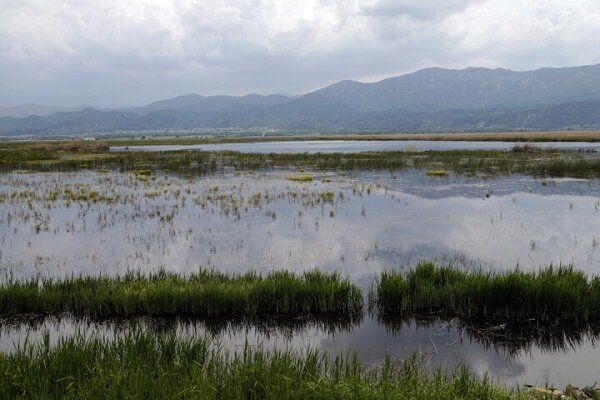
436, 99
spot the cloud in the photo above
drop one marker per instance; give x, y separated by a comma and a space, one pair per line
416, 9
115, 52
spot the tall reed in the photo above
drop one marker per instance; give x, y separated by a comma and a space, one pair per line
205, 294
551, 295
140, 365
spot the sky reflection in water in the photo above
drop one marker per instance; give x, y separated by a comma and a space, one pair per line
371, 223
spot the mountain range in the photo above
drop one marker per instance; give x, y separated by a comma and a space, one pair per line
26, 110
433, 99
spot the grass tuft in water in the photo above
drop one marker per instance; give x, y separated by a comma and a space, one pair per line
553, 295
437, 172
140, 365
300, 178
206, 294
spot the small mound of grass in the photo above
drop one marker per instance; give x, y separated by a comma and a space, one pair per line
525, 148
301, 178
552, 295
437, 172
206, 294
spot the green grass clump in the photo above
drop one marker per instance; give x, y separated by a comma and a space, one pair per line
206, 294
552, 295
437, 172
300, 178
141, 365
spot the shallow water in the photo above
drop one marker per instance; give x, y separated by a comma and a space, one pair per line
355, 146
356, 223
436, 345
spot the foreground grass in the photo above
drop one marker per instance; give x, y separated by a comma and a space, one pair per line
551, 296
143, 366
206, 294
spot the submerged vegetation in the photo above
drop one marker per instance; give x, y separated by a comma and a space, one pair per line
71, 156
555, 295
205, 294
141, 365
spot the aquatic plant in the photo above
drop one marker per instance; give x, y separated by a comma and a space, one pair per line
16, 156
205, 294
552, 295
300, 178
143, 365
437, 172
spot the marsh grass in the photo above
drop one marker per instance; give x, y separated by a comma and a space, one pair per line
437, 172
205, 294
300, 178
555, 295
537, 163
140, 365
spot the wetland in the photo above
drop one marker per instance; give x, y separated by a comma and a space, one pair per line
249, 262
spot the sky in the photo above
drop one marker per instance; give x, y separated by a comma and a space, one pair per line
111, 53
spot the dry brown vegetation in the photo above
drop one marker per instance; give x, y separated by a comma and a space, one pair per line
541, 136
87, 146
557, 136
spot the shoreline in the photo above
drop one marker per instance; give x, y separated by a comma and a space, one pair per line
144, 139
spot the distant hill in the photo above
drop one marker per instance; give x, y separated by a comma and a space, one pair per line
436, 89
432, 99
194, 102
26, 110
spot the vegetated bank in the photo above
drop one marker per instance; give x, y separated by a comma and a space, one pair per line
555, 295
141, 365
523, 136
81, 156
205, 294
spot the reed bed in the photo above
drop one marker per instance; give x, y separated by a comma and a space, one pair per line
140, 365
205, 294
534, 161
555, 295
531, 136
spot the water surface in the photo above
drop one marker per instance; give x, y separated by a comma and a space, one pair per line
355, 146
435, 345
356, 223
